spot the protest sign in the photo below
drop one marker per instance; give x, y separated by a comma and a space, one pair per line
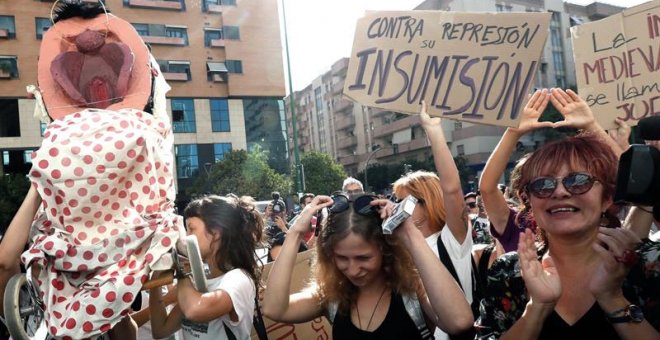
318, 328
616, 63
476, 67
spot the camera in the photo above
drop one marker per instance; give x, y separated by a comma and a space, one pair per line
278, 204
638, 180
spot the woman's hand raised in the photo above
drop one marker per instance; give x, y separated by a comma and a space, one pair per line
541, 278
529, 118
303, 222
575, 110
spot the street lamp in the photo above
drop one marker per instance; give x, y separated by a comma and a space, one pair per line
299, 181
374, 148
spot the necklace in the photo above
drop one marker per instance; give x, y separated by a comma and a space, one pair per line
372, 313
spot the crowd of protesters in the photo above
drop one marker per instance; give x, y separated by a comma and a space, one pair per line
545, 257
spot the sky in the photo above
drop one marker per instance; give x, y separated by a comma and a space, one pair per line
321, 32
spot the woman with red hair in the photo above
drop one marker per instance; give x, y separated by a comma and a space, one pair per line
588, 278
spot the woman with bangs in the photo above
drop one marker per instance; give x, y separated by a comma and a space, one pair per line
589, 278
369, 285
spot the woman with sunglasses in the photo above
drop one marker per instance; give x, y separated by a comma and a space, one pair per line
587, 280
363, 277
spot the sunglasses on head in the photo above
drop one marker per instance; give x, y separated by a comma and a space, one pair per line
576, 183
342, 202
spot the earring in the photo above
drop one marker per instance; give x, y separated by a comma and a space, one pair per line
604, 221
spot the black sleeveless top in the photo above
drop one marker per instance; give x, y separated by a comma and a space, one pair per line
397, 325
592, 325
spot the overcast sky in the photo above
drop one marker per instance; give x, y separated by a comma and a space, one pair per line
321, 31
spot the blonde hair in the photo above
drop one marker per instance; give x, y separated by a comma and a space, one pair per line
425, 186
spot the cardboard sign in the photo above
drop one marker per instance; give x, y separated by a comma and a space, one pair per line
617, 61
318, 328
466, 66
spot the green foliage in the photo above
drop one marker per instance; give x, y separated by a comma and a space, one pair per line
241, 173
322, 174
13, 188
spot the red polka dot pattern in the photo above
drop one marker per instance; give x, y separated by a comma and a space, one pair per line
108, 216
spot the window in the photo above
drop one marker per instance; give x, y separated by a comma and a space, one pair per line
177, 32
175, 69
220, 115
7, 27
41, 26
9, 124
212, 34
232, 32
8, 67
220, 149
154, 34
216, 71
460, 150
183, 115
42, 128
319, 103
142, 29
187, 161
458, 125
234, 66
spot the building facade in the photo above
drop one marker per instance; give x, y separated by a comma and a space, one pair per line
222, 58
364, 135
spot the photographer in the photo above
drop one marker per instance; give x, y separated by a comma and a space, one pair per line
275, 217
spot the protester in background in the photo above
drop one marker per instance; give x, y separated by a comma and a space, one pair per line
276, 246
352, 186
471, 203
228, 230
442, 221
363, 277
588, 279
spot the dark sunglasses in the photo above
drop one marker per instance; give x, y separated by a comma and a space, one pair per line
341, 202
471, 204
576, 183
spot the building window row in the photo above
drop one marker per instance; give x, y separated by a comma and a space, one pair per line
179, 70
183, 115
162, 34
211, 6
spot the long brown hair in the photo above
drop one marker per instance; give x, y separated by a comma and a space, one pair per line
333, 286
239, 225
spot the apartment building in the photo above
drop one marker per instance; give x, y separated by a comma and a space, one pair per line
222, 58
363, 134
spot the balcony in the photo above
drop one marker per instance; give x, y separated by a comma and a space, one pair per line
176, 76
216, 9
217, 43
477, 131
156, 4
345, 142
340, 67
337, 88
388, 129
343, 104
160, 40
345, 122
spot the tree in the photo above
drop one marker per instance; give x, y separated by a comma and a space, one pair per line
241, 173
322, 174
13, 188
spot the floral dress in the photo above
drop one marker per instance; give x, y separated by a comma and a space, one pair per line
506, 298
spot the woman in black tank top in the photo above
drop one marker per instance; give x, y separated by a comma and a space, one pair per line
362, 277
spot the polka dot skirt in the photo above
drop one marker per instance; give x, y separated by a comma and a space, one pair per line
107, 218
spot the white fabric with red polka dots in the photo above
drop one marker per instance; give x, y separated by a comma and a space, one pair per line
107, 218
